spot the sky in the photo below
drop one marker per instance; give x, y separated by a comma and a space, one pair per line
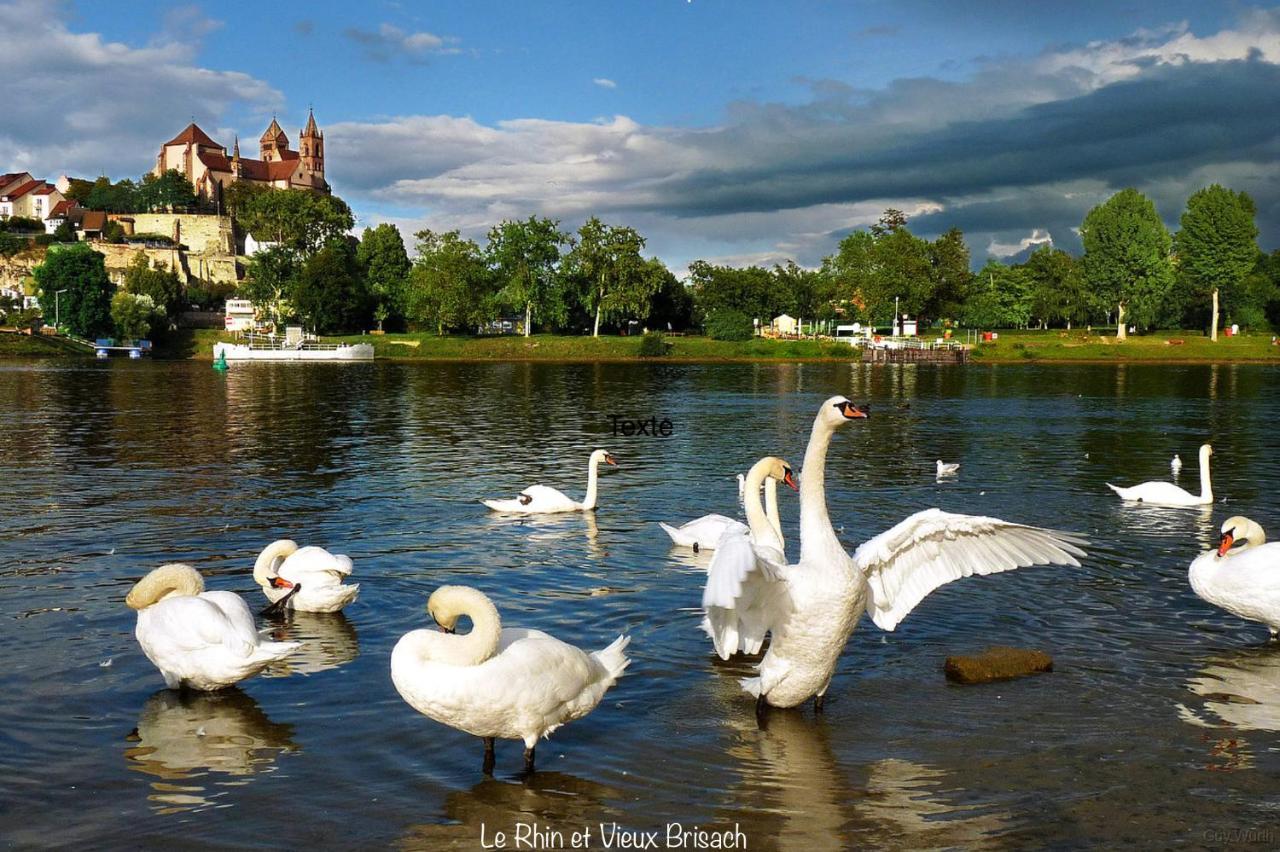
732, 131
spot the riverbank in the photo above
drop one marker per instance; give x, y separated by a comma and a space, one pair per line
1168, 347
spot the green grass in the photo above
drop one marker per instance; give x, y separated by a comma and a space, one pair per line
29, 346
1156, 346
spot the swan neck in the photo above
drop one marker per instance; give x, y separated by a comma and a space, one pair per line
761, 527
818, 540
771, 506
1206, 486
593, 475
269, 560
481, 643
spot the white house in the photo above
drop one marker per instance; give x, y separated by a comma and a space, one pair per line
785, 324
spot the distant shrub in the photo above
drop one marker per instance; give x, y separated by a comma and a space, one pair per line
46, 239
10, 244
21, 223
653, 345
729, 325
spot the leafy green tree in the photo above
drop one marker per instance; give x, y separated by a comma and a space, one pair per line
301, 221
330, 293
849, 273
1126, 257
1001, 297
84, 306
65, 233
134, 316
78, 189
450, 285
605, 268
269, 280
386, 266
672, 304
1217, 245
111, 197
169, 191
729, 324
158, 282
871, 269
11, 244
113, 232
525, 257
949, 275
1058, 292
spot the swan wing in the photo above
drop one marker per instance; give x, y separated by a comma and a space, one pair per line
189, 625
315, 566
744, 595
932, 548
1156, 492
704, 532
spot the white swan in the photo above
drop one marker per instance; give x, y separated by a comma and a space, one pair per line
539, 499
1243, 580
1168, 494
706, 532
744, 571
824, 594
948, 469
493, 682
205, 640
1176, 464
307, 579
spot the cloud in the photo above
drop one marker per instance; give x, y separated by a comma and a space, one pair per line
390, 42
1025, 145
605, 83
58, 116
186, 26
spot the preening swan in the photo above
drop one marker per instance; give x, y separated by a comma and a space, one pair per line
948, 469
494, 682
817, 602
705, 533
1243, 575
307, 579
539, 499
745, 569
1168, 494
205, 640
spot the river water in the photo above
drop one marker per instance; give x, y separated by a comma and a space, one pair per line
1159, 725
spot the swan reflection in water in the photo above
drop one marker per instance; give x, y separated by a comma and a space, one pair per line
187, 736
1240, 692
554, 529
328, 640
553, 800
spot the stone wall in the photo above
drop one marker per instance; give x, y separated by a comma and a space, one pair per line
201, 233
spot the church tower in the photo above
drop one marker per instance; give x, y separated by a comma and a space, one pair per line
312, 147
273, 141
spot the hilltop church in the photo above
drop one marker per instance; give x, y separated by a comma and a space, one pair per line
205, 163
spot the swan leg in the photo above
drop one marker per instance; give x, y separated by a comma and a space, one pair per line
528, 760
762, 713
487, 767
695, 547
818, 702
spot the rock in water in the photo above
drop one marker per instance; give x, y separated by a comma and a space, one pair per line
997, 663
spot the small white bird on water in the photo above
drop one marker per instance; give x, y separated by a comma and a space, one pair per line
945, 469
1176, 464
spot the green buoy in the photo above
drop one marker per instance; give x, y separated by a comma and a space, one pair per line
221, 362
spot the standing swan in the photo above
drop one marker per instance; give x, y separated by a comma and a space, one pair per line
1168, 494
307, 579
705, 533
737, 598
539, 499
493, 682
825, 593
205, 640
1245, 581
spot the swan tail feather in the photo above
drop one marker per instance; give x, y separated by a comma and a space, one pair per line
750, 685
675, 534
271, 651
1117, 489
613, 658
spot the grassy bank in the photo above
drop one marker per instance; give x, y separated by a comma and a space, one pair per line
1159, 346
28, 346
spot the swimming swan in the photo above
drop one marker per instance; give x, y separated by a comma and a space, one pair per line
1243, 580
205, 640
494, 682
745, 569
1168, 494
307, 579
539, 499
816, 602
705, 533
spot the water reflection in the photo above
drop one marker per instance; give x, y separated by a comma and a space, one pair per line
1241, 691
184, 736
553, 801
328, 640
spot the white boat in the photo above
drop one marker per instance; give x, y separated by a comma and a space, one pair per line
294, 346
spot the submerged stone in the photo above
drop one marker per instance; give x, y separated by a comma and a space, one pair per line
998, 663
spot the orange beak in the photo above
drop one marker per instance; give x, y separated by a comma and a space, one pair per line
280, 583
1227, 540
851, 411
609, 459
790, 481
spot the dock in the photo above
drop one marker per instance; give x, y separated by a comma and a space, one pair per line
917, 352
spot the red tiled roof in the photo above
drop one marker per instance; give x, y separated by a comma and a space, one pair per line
93, 220
23, 189
46, 189
258, 170
61, 209
193, 135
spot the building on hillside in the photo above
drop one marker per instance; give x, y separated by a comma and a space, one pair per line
13, 180
32, 199
205, 163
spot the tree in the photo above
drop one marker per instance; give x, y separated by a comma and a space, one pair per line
80, 274
889, 264
608, 272
65, 233
672, 304
849, 273
329, 293
119, 197
269, 280
1126, 257
806, 291
450, 285
1000, 298
158, 282
525, 257
750, 290
299, 220
386, 268
169, 191
78, 189
949, 275
1057, 292
1216, 246
134, 316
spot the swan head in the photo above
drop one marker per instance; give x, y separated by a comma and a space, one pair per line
603, 456
1242, 531
1205, 451
171, 580
449, 603
779, 469
268, 563
838, 410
